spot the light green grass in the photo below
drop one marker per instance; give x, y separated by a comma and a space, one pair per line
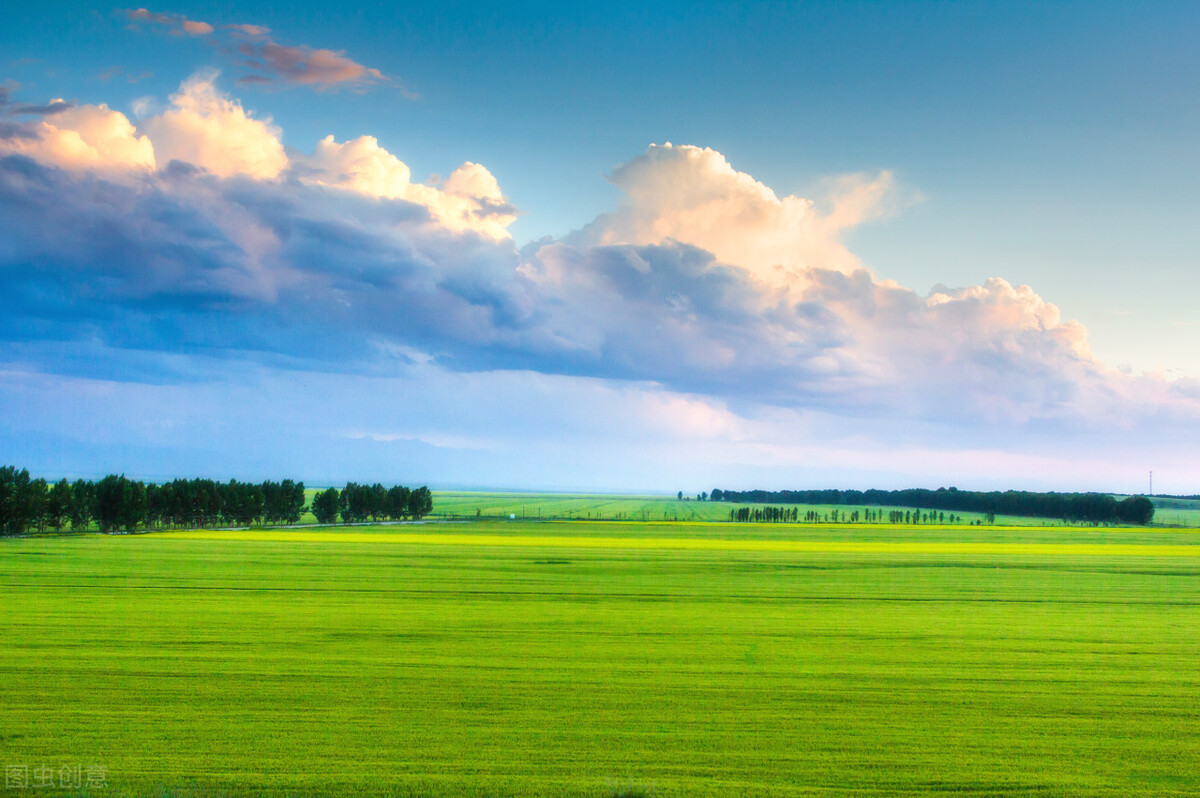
576, 659
1176, 512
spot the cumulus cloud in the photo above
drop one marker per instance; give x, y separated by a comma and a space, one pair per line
694, 196
251, 47
209, 238
88, 136
209, 130
674, 313
206, 129
470, 199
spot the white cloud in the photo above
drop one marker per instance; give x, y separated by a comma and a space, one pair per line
704, 281
693, 195
83, 137
209, 130
470, 199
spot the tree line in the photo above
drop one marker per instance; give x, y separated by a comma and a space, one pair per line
771, 514
356, 503
1091, 507
117, 503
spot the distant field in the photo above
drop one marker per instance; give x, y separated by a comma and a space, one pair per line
595, 507
465, 504
510, 658
1176, 512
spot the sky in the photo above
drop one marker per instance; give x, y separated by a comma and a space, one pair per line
610, 247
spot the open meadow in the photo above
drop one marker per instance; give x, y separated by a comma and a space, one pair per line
594, 659
602, 506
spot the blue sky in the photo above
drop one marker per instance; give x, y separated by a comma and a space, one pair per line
611, 315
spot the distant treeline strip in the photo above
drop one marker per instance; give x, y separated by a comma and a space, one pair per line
117, 503
1093, 507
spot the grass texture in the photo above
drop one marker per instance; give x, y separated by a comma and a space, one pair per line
603, 659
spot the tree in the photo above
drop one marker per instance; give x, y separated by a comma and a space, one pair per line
8, 500
83, 499
377, 501
133, 505
353, 502
293, 501
242, 503
325, 506
156, 498
273, 501
58, 505
397, 502
18, 500
108, 502
1135, 510
420, 502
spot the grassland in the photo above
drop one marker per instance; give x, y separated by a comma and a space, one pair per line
611, 507
590, 659
595, 507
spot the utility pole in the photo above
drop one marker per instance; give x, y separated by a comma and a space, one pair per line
1152, 483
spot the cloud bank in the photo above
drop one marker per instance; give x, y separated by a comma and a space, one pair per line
146, 253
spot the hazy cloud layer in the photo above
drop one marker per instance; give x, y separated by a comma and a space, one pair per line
263, 59
128, 249
514, 429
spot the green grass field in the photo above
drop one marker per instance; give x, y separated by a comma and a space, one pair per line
501, 658
601, 506
543, 506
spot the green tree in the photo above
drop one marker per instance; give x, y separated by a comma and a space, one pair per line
133, 505
353, 503
325, 506
1135, 510
58, 505
420, 502
377, 501
83, 500
108, 502
16, 500
397, 502
33, 500
293, 501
